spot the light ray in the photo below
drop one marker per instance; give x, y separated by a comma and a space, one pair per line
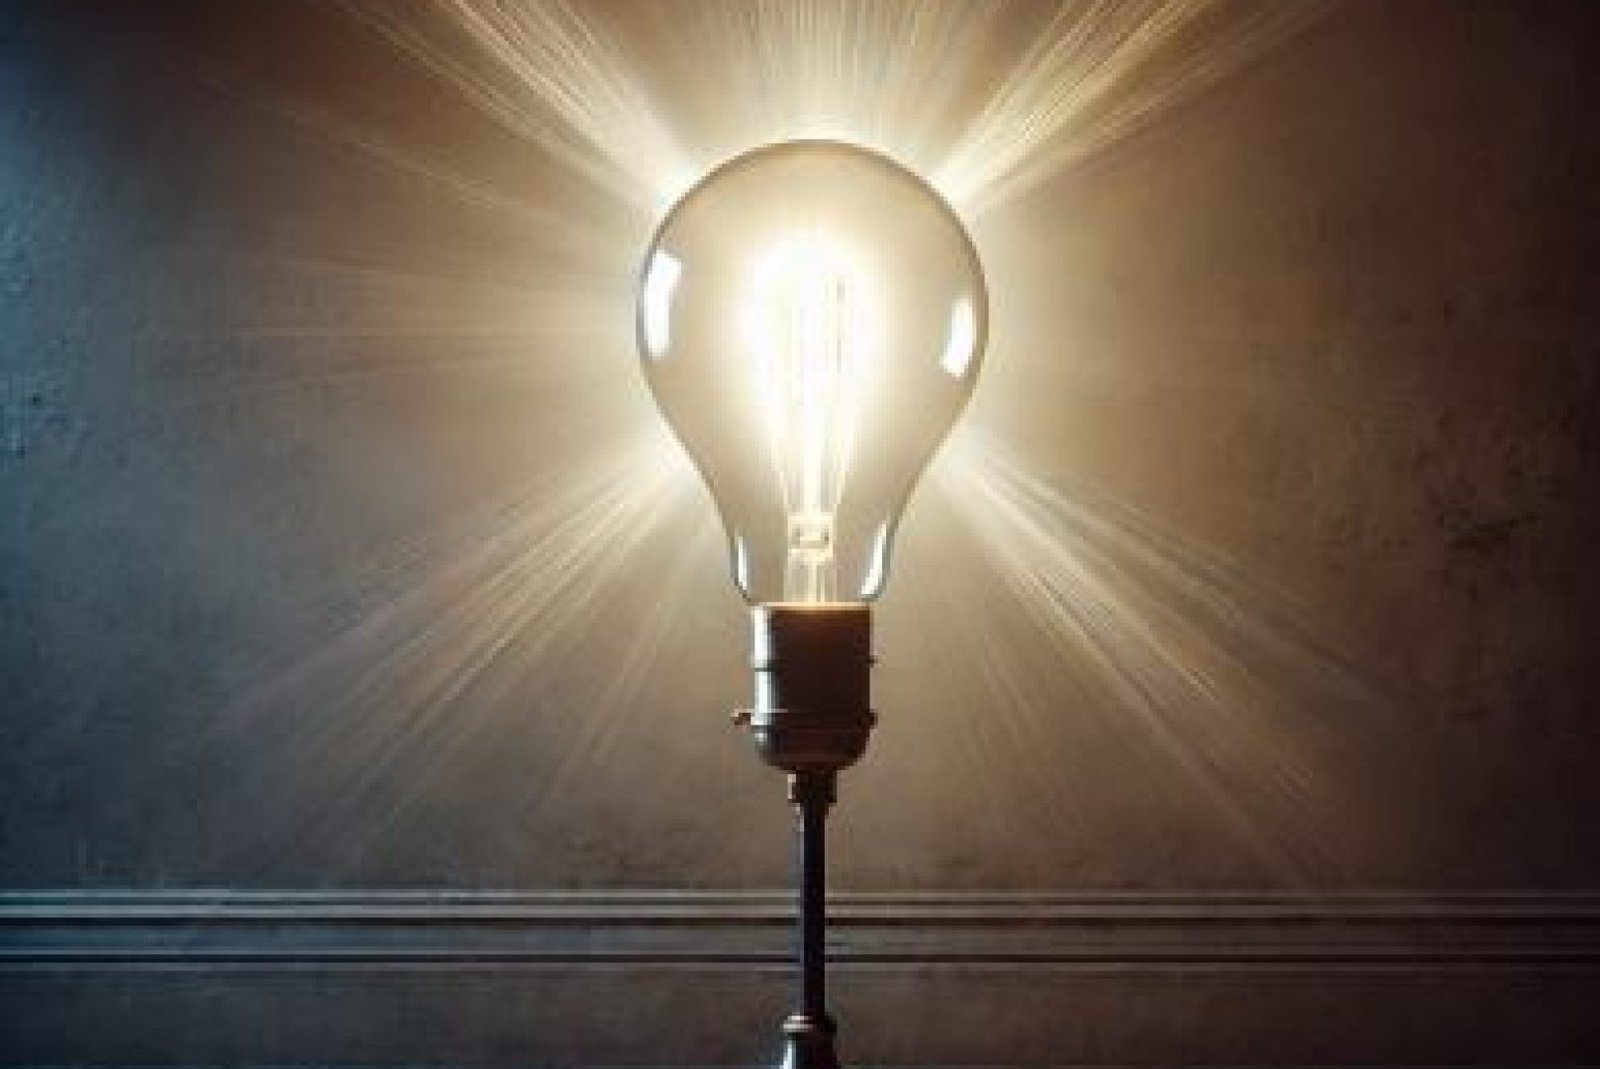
886, 75
560, 228
1099, 71
932, 84
461, 612
552, 61
1240, 698
603, 731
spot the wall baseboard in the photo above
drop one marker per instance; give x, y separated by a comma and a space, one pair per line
321, 929
186, 977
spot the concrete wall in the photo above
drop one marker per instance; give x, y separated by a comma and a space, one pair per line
365, 648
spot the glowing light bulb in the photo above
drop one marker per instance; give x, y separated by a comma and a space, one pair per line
811, 320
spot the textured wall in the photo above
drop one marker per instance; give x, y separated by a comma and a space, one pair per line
330, 555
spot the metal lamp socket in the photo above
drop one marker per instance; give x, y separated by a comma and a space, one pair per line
813, 666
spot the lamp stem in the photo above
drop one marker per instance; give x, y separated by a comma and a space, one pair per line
812, 801
808, 1032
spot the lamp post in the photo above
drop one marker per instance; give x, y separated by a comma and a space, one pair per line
811, 320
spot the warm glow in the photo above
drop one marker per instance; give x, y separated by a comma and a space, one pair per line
811, 320
807, 322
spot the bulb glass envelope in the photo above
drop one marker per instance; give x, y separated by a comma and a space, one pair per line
811, 319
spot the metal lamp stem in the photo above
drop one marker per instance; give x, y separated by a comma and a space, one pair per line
809, 1031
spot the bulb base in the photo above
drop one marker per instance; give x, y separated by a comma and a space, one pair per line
813, 664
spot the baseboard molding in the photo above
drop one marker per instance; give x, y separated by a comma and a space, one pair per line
212, 928
484, 978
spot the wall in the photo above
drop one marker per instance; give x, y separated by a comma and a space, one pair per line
364, 647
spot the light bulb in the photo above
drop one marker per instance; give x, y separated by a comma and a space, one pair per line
811, 320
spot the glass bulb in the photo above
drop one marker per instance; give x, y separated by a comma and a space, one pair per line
811, 320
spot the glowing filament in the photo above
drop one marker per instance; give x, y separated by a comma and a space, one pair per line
809, 334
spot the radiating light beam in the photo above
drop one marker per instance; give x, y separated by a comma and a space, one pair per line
1099, 71
524, 578
1239, 696
557, 79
